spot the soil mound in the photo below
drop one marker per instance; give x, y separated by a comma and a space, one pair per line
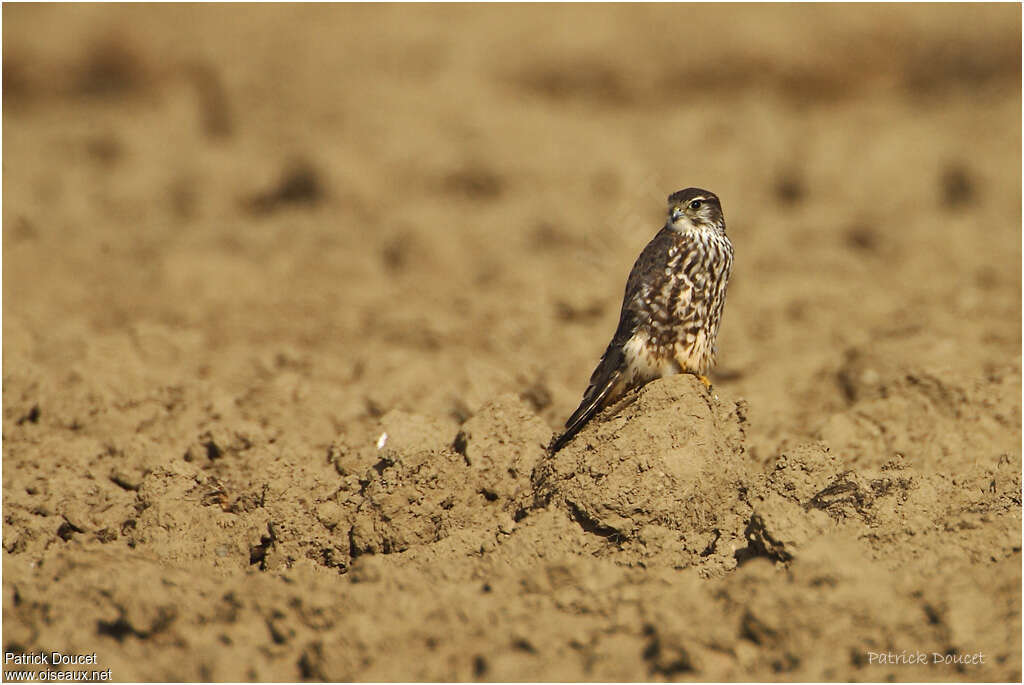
665, 479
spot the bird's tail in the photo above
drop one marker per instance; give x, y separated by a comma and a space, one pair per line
593, 402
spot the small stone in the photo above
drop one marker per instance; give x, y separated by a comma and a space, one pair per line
329, 514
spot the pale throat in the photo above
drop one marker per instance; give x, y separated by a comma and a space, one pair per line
686, 226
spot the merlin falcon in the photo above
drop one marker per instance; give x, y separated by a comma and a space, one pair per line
671, 309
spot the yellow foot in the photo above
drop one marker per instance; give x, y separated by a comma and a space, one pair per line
705, 381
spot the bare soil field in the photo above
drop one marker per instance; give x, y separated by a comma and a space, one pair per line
242, 243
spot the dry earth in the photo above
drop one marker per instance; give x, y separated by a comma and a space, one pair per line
240, 244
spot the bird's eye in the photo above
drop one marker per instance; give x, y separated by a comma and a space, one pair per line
695, 204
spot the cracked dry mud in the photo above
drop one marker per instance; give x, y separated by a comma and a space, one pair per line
240, 248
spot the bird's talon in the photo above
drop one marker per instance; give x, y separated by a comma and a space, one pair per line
705, 381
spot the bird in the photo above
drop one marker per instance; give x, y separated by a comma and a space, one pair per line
671, 309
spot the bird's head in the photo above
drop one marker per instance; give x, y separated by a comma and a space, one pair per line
694, 209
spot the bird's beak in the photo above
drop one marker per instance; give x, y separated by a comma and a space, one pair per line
676, 214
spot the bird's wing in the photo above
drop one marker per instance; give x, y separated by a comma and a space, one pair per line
612, 366
607, 374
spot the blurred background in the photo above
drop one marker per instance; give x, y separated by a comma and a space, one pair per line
441, 203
